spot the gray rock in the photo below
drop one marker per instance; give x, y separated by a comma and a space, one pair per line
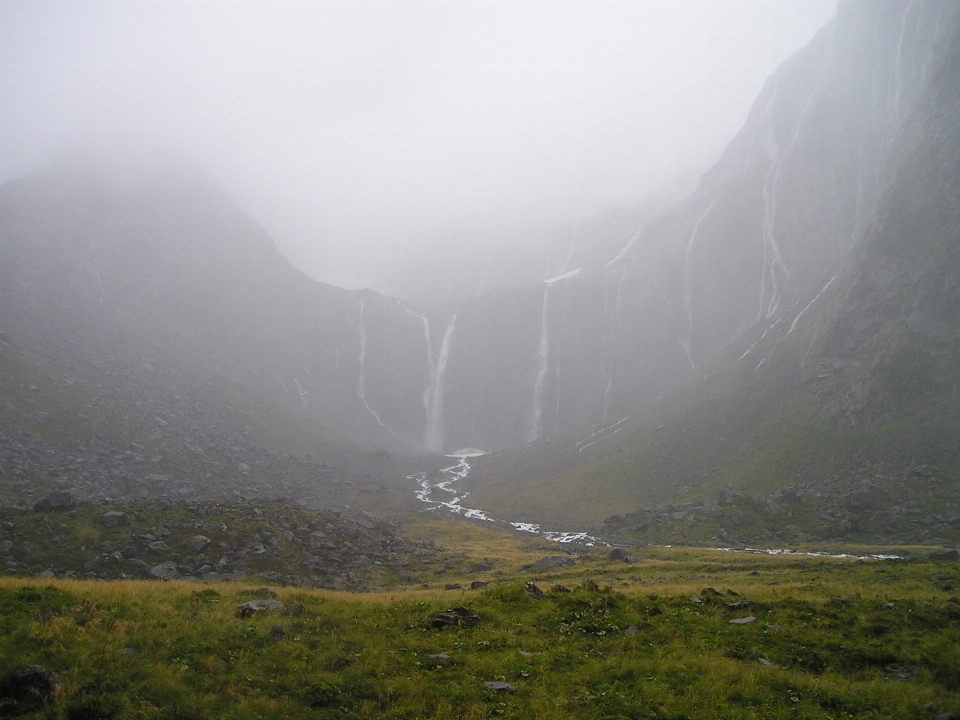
944, 556
551, 561
6, 546
478, 584
632, 630
438, 659
455, 617
739, 605
500, 687
113, 519
534, 592
158, 546
164, 571
744, 621
198, 542
26, 690
252, 607
56, 501
617, 554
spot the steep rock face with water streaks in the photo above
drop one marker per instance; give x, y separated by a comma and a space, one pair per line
764, 233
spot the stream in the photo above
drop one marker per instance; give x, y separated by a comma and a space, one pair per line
430, 492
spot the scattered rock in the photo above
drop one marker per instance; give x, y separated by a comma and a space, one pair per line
534, 592
453, 586
765, 662
55, 502
524, 653
252, 607
198, 542
632, 630
26, 690
744, 621
709, 592
500, 687
739, 605
944, 556
697, 601
655, 610
438, 659
278, 632
633, 559
455, 617
617, 554
551, 561
6, 546
478, 584
113, 519
774, 628
947, 716
295, 610
164, 571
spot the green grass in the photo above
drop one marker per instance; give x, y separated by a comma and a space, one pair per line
176, 650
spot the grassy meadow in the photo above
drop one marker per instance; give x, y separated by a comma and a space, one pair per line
832, 638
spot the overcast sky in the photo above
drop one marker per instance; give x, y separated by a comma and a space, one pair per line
357, 132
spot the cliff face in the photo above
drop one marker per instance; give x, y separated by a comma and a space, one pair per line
176, 267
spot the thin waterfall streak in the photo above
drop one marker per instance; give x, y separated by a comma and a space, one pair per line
543, 358
797, 318
435, 432
687, 289
625, 249
898, 69
361, 380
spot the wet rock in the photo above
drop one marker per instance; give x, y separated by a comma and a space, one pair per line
26, 690
113, 519
165, 571
499, 687
744, 621
252, 607
56, 502
438, 659
944, 555
534, 592
455, 617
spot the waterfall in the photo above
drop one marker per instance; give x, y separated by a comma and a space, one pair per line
543, 353
433, 397
361, 381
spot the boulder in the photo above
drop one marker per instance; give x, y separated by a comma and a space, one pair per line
744, 621
164, 571
478, 584
534, 592
26, 690
198, 542
551, 561
455, 617
113, 519
499, 687
438, 659
944, 555
252, 607
55, 502
617, 554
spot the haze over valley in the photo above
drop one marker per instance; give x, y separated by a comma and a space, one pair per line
646, 284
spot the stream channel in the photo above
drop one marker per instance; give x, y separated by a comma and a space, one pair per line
430, 493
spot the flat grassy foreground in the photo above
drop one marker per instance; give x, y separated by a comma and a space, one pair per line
832, 638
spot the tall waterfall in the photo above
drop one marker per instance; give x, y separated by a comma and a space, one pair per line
433, 398
361, 380
543, 356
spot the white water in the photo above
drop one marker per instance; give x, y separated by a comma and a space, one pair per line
625, 249
543, 357
564, 276
793, 325
451, 475
435, 434
361, 380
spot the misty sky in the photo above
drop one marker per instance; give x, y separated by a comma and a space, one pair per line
364, 133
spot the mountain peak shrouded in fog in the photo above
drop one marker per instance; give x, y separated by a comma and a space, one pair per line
394, 144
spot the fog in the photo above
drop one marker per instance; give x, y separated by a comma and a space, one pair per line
372, 137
